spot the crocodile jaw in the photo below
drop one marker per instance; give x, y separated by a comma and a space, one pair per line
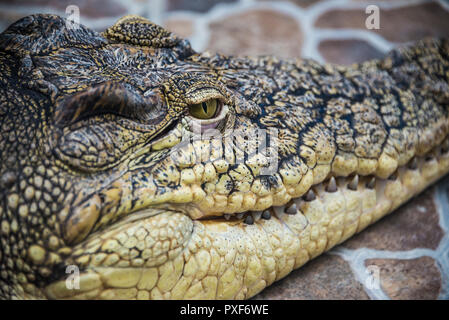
229, 259
367, 119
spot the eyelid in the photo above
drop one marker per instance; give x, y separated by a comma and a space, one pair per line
108, 98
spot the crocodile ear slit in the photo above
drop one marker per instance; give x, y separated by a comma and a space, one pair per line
109, 98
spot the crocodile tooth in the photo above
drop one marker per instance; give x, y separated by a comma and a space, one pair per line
354, 183
332, 185
393, 176
249, 219
239, 215
413, 164
266, 215
291, 209
372, 183
227, 216
256, 215
310, 196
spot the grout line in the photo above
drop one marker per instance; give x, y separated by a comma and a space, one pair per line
323, 6
444, 4
304, 17
443, 265
367, 253
201, 37
357, 264
357, 257
247, 1
442, 204
376, 40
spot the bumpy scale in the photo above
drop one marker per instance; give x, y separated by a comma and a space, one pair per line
108, 164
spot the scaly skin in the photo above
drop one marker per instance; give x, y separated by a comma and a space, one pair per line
99, 168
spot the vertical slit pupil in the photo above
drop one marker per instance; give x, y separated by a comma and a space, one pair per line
204, 105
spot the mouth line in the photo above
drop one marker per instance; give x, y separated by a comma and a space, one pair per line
352, 183
296, 205
131, 218
339, 185
343, 184
329, 213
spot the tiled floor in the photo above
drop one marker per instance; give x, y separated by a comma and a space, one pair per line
405, 255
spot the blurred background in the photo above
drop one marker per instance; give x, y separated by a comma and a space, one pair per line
407, 252
332, 30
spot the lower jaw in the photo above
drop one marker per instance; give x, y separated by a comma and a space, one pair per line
233, 259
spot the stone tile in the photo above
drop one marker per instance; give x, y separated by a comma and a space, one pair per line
346, 52
89, 8
182, 27
414, 225
326, 277
194, 5
397, 25
256, 32
409, 279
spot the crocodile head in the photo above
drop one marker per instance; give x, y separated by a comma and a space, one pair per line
134, 167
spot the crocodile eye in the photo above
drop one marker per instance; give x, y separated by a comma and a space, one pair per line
204, 110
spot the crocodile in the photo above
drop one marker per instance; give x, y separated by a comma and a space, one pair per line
133, 167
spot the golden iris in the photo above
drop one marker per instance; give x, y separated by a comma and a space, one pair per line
204, 110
